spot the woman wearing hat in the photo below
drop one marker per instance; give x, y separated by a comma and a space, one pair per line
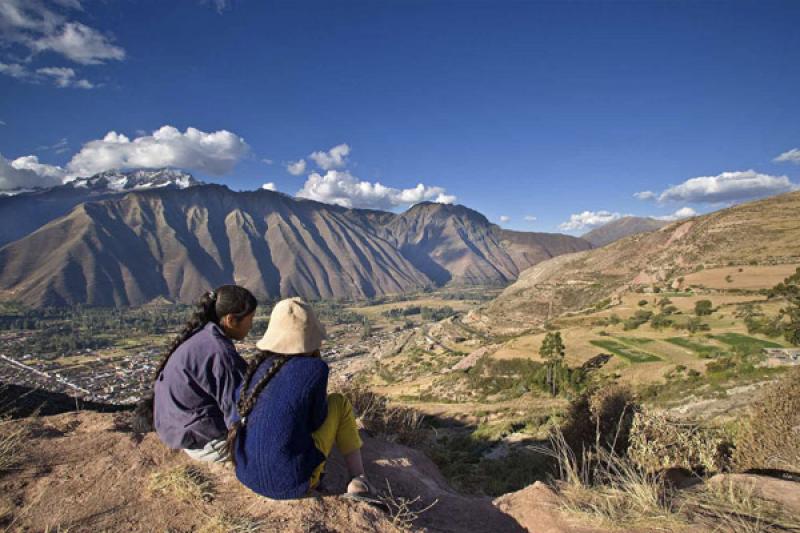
289, 423
196, 382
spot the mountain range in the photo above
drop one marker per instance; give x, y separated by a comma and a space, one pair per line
125, 238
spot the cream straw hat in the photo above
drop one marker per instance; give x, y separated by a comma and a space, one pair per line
293, 329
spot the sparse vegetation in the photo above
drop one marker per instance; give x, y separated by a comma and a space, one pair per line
186, 483
770, 435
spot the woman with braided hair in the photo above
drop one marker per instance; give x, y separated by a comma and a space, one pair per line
196, 382
288, 422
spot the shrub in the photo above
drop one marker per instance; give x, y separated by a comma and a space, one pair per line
770, 436
642, 302
658, 442
601, 419
703, 307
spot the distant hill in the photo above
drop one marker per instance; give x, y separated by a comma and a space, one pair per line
620, 228
177, 243
761, 232
22, 213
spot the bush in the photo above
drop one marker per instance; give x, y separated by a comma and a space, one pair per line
642, 302
602, 418
770, 436
703, 307
658, 442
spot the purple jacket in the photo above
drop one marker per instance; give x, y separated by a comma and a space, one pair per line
195, 393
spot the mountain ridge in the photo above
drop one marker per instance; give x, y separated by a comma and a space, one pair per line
176, 243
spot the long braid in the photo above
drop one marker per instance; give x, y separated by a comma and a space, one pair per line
211, 307
247, 400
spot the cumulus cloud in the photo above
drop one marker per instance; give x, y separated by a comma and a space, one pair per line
530, 218
333, 158
296, 168
27, 173
645, 195
213, 153
683, 212
270, 186
589, 219
727, 187
344, 189
504, 218
33, 24
792, 156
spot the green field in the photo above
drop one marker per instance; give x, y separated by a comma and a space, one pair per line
706, 351
632, 355
638, 341
745, 343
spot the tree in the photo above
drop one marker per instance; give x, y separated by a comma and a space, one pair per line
790, 314
703, 307
552, 351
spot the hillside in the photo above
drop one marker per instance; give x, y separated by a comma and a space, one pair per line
621, 228
23, 213
176, 243
764, 232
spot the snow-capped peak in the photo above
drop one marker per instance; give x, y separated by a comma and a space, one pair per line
136, 180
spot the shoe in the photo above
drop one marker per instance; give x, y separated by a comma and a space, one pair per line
360, 489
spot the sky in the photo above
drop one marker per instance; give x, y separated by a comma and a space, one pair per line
543, 116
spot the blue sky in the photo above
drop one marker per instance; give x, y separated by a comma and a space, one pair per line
558, 110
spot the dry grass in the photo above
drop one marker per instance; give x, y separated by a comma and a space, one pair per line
226, 523
12, 439
403, 511
378, 416
735, 507
770, 436
658, 442
606, 488
187, 483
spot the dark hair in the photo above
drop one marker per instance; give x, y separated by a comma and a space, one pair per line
213, 305
247, 400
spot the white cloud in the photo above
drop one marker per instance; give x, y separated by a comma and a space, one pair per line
792, 156
296, 168
342, 188
15, 70
27, 172
212, 153
727, 187
65, 77
31, 23
645, 195
62, 77
333, 158
683, 212
81, 44
504, 218
269, 187
589, 219
267, 161
530, 218
2, 123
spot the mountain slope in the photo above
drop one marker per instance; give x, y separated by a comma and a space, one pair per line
761, 232
127, 250
621, 228
23, 213
454, 244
